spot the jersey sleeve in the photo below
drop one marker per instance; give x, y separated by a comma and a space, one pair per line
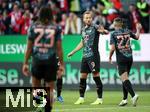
112, 40
58, 34
132, 35
96, 27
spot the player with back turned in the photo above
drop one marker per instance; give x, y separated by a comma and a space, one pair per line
120, 42
91, 58
43, 45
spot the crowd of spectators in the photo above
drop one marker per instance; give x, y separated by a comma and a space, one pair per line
17, 15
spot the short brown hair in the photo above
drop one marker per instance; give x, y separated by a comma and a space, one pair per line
118, 20
45, 14
88, 12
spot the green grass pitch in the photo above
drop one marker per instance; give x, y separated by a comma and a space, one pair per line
110, 102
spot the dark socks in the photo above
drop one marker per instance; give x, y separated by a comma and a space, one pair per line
127, 84
82, 87
59, 86
125, 92
99, 86
48, 108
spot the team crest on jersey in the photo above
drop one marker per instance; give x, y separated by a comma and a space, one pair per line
89, 31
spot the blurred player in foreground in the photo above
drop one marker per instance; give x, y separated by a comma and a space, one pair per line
91, 58
120, 42
44, 42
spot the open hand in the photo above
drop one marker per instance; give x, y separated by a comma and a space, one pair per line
101, 29
138, 26
25, 70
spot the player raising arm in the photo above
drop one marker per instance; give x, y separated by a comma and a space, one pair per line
120, 42
91, 58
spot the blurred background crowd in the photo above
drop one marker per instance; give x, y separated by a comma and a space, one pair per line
17, 15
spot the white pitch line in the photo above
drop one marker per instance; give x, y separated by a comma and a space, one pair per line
106, 108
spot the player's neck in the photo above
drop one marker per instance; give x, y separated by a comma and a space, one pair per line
45, 22
118, 28
86, 26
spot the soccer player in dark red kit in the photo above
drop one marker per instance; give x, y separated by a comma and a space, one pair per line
43, 45
120, 42
91, 58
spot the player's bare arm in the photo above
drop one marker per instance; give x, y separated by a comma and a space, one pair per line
138, 29
78, 47
112, 49
60, 55
25, 68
